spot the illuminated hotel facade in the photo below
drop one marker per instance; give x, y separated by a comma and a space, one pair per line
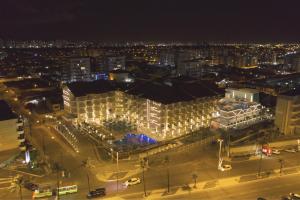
238, 109
159, 110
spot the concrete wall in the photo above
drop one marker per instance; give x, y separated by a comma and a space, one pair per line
8, 135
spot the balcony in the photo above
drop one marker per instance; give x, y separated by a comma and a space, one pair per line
22, 146
20, 130
21, 138
19, 122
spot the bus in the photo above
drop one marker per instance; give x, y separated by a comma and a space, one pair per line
67, 189
42, 192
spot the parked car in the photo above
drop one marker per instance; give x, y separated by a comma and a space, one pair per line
132, 181
275, 151
99, 192
225, 167
31, 186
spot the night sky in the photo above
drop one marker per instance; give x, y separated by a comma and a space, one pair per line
120, 20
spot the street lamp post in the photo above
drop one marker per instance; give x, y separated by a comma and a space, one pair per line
220, 158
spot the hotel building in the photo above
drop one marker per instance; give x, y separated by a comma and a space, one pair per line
163, 110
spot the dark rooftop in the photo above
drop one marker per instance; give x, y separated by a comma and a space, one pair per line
95, 87
6, 112
167, 92
294, 92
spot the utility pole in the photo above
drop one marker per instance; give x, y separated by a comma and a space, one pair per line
143, 166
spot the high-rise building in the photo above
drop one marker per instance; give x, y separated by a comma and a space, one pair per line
11, 129
167, 58
287, 115
79, 69
115, 63
296, 62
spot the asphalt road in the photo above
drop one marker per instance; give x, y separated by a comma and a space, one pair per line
270, 189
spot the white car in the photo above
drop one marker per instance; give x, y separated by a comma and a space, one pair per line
294, 196
290, 150
275, 151
132, 181
225, 167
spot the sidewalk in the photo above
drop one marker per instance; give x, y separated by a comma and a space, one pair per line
209, 185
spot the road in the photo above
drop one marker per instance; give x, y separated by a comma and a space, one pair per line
204, 164
270, 189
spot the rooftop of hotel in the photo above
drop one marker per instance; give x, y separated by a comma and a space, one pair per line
165, 92
228, 104
6, 112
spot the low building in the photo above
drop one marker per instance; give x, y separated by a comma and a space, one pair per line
163, 110
238, 109
11, 129
287, 114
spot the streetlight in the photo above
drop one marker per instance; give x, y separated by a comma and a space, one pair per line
220, 158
